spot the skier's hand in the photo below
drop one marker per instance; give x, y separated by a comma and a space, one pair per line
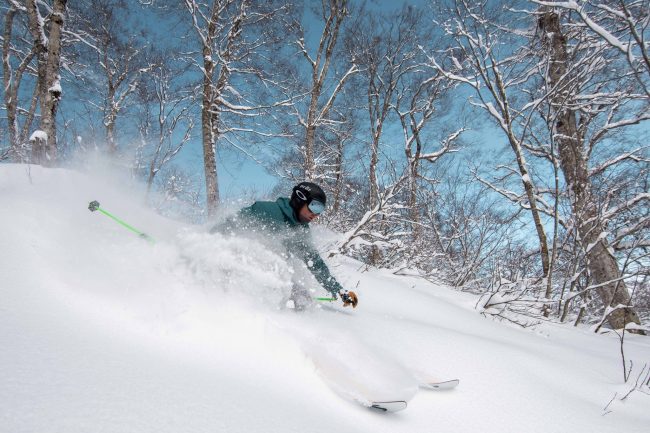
349, 298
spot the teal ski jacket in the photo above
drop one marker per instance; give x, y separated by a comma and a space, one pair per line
278, 218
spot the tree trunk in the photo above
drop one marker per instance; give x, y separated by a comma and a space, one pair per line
374, 256
309, 166
110, 113
601, 263
208, 136
27, 126
212, 90
532, 200
110, 134
522, 165
310, 134
372, 172
10, 95
48, 51
53, 92
414, 213
338, 184
319, 69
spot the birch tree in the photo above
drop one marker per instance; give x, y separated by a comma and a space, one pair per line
18, 53
572, 117
115, 52
385, 49
325, 82
396, 91
484, 58
416, 106
47, 32
166, 120
230, 33
623, 25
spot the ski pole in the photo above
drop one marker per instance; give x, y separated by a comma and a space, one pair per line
326, 299
94, 206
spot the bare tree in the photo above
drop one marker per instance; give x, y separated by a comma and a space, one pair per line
47, 34
416, 106
342, 140
385, 49
325, 83
230, 32
484, 57
17, 56
116, 53
569, 132
166, 121
361, 233
208, 31
619, 23
556, 105
391, 82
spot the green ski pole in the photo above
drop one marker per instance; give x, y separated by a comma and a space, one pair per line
94, 206
326, 299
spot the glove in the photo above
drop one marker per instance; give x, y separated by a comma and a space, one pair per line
349, 298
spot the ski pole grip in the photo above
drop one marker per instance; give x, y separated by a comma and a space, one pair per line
93, 206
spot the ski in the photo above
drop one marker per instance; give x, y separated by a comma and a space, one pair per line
383, 391
440, 386
389, 406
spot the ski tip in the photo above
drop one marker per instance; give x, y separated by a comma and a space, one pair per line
388, 406
439, 386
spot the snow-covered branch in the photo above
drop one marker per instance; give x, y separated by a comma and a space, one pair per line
633, 155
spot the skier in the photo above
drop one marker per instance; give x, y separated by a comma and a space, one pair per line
289, 218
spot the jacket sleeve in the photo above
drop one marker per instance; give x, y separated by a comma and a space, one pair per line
316, 265
322, 273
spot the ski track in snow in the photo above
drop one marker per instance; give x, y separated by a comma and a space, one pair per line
103, 332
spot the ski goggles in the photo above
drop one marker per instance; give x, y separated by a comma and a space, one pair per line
316, 207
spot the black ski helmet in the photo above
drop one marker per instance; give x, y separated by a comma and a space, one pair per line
305, 193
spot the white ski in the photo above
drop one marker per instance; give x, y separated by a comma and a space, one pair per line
360, 376
440, 386
349, 388
433, 381
389, 406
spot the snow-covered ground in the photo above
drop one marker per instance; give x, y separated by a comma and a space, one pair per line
101, 331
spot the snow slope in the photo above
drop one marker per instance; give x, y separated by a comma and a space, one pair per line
101, 331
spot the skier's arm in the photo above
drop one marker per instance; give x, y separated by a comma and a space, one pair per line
302, 247
321, 272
